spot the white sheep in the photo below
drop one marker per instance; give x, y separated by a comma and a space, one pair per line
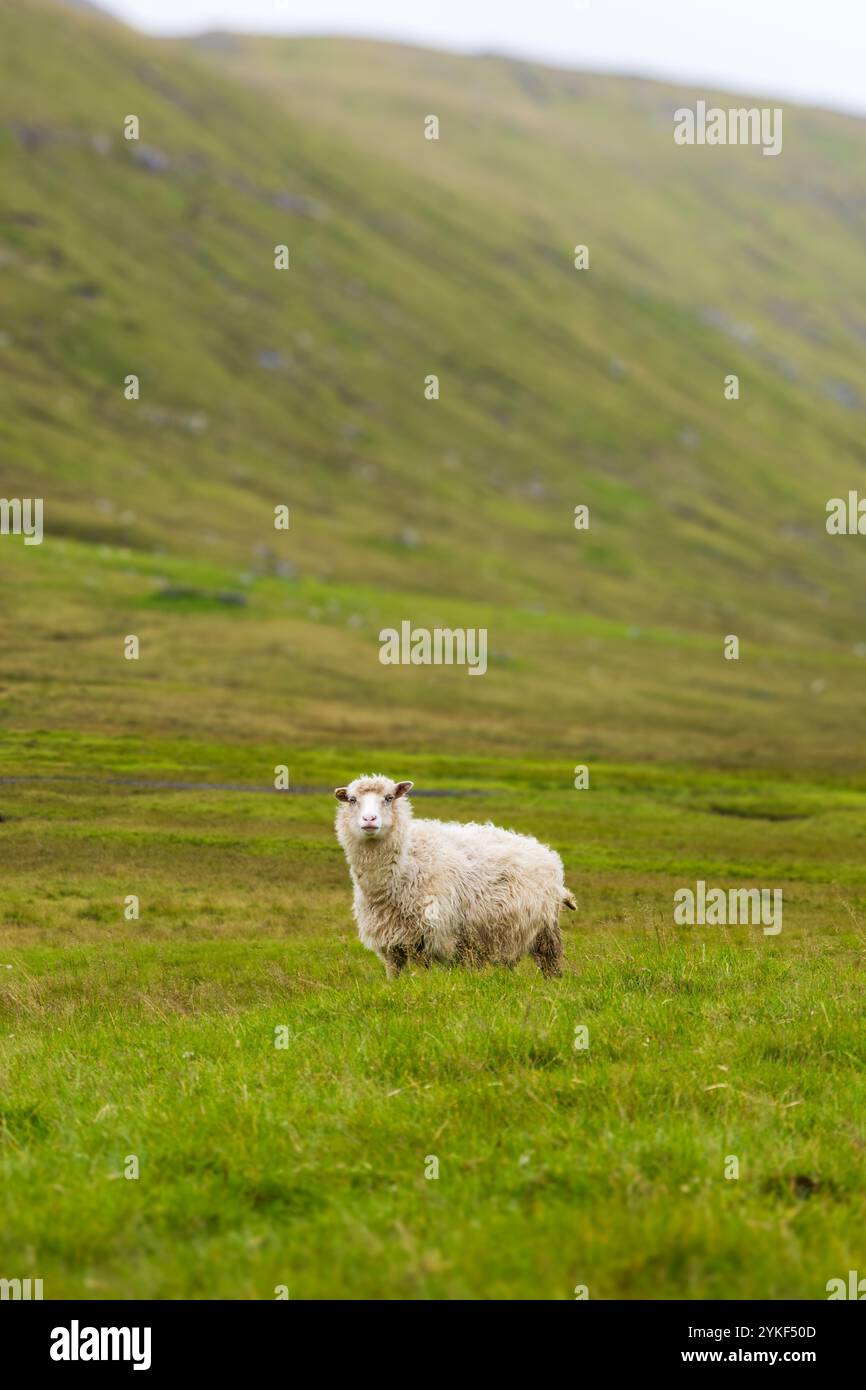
438, 890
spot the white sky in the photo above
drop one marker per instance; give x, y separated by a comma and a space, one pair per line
807, 50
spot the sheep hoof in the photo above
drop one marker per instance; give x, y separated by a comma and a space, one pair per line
547, 952
394, 963
551, 970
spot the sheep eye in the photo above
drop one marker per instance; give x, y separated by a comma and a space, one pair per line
389, 798
353, 801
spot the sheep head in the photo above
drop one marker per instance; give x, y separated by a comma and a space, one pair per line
371, 807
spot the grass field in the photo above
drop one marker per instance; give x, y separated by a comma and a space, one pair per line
304, 1165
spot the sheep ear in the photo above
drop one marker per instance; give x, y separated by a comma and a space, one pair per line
342, 793
403, 788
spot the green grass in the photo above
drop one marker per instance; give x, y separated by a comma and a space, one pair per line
304, 1166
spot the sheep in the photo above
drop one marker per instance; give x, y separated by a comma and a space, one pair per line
429, 890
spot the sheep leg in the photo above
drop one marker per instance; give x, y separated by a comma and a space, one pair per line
467, 955
394, 960
547, 951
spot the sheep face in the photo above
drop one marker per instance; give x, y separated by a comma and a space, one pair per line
369, 805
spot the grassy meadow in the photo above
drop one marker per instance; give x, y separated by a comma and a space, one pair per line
303, 1165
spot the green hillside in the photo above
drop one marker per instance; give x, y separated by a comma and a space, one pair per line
150, 1033
306, 387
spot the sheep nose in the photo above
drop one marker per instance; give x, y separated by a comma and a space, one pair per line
369, 820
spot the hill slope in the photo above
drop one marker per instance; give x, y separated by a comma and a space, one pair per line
306, 387
164, 922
